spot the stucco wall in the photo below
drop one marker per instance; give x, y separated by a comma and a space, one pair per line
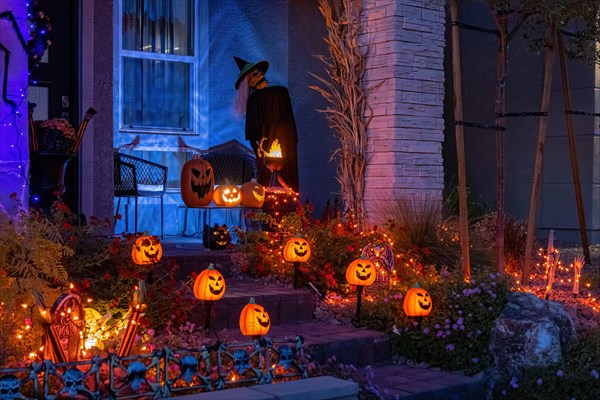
556, 207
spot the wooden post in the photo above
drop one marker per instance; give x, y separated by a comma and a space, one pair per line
460, 144
572, 148
539, 155
501, 67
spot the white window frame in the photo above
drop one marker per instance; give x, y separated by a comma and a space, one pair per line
195, 74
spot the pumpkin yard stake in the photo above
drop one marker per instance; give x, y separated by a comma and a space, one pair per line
209, 286
296, 250
254, 320
577, 266
137, 307
417, 302
361, 272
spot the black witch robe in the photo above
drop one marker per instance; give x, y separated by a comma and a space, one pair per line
269, 114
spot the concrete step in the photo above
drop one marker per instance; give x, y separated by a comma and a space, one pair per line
284, 305
409, 383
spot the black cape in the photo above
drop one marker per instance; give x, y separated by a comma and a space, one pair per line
269, 114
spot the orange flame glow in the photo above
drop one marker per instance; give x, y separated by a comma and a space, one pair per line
275, 150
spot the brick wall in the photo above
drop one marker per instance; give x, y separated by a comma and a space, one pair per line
406, 53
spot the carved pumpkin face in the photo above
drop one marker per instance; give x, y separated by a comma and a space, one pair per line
227, 196
361, 272
296, 249
254, 320
209, 285
417, 302
253, 194
146, 250
216, 238
197, 182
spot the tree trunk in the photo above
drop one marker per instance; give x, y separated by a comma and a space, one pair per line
460, 144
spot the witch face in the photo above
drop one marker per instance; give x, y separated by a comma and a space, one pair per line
256, 79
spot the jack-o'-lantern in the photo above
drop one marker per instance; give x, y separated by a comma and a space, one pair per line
227, 196
417, 302
253, 194
197, 182
361, 272
146, 250
209, 285
296, 249
254, 320
215, 238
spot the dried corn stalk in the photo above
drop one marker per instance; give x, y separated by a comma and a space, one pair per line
346, 113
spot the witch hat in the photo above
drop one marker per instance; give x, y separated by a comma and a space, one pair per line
246, 66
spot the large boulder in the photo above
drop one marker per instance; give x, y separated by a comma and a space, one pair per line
530, 332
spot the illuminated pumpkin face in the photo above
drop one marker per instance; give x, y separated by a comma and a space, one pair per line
197, 182
209, 285
227, 196
253, 194
296, 249
361, 272
146, 250
254, 320
417, 302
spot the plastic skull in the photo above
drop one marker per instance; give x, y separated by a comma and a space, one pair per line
286, 357
136, 374
73, 381
10, 386
241, 361
189, 367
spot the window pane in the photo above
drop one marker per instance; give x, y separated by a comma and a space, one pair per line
156, 94
159, 26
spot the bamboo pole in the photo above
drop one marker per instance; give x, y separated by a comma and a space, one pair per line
460, 144
566, 87
539, 155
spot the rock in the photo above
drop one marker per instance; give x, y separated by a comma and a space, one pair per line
530, 332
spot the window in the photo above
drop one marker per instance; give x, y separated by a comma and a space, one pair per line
158, 66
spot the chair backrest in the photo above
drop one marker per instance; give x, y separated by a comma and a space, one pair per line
135, 176
233, 169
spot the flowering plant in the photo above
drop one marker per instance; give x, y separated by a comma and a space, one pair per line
56, 134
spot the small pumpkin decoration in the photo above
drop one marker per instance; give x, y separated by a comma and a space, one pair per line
417, 302
296, 249
215, 238
197, 182
227, 196
254, 320
253, 194
361, 272
146, 250
209, 284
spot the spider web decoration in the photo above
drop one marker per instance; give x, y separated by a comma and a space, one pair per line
382, 256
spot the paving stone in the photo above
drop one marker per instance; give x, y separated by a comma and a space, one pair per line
319, 388
229, 394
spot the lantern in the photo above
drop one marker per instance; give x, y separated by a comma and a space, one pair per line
254, 320
197, 182
146, 250
227, 196
417, 302
296, 249
209, 285
253, 194
361, 272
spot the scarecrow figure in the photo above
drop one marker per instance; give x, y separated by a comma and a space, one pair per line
269, 118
